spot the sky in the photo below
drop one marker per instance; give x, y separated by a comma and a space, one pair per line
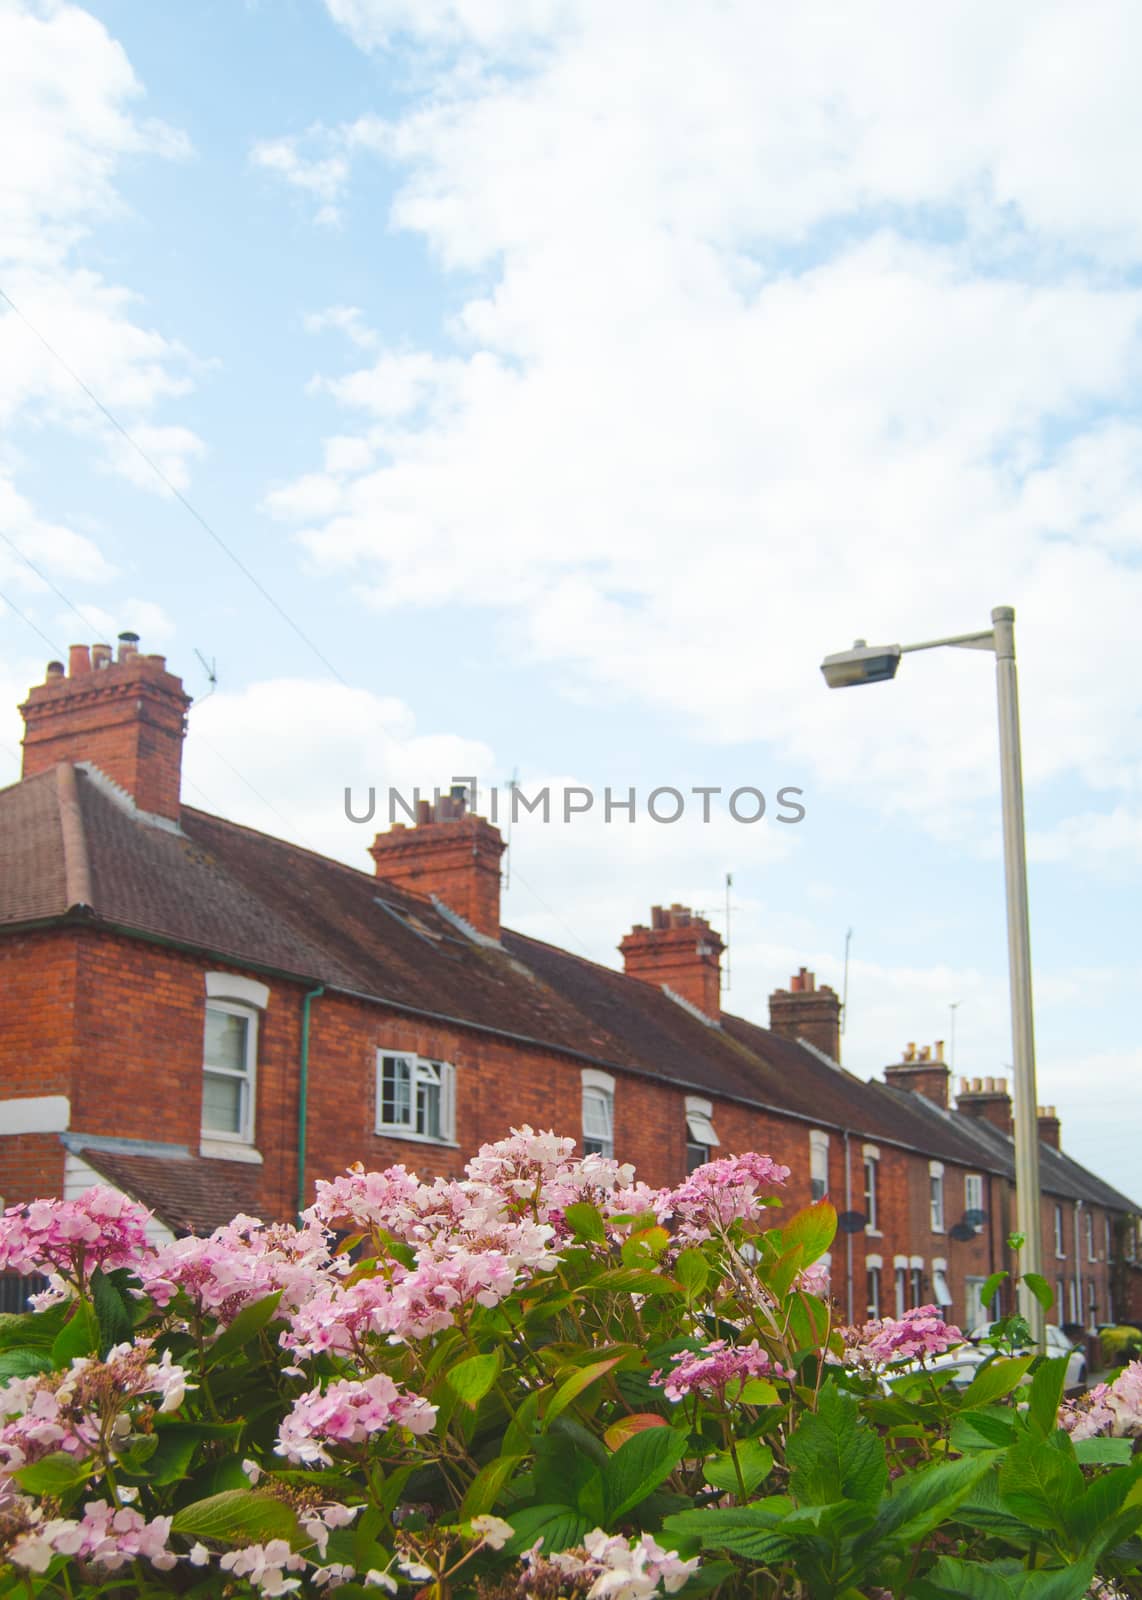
540, 388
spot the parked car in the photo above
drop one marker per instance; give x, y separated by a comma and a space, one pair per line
966, 1359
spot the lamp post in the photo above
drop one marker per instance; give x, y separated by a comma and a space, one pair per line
876, 664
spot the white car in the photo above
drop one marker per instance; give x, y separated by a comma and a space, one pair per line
965, 1359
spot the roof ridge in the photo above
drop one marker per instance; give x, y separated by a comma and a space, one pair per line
76, 865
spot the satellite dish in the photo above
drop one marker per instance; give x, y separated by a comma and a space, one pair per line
962, 1230
852, 1222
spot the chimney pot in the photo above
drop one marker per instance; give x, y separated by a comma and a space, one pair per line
54, 671
128, 645
938, 1047
679, 951
910, 1051
78, 660
449, 854
925, 1052
100, 655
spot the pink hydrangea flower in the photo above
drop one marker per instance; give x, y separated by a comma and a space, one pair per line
240, 1263
101, 1228
106, 1536
712, 1369
721, 1192
265, 1566
919, 1333
1109, 1408
610, 1567
349, 1412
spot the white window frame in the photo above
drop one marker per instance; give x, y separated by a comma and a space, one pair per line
247, 1076
1091, 1252
874, 1267
700, 1130
973, 1196
977, 1313
598, 1087
818, 1163
871, 1155
941, 1292
1060, 1234
916, 1280
423, 1072
936, 1214
900, 1279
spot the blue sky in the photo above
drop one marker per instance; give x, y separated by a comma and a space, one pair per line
575, 377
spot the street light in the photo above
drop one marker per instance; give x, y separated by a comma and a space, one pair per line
876, 664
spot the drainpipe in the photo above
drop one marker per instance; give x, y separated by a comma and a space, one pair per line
848, 1236
303, 1096
1080, 1309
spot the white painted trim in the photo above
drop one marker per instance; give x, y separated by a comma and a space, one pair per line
219, 1150
939, 1264
39, 1113
900, 1261
916, 1261
228, 986
870, 1152
818, 1139
935, 1169
688, 1005
703, 1108
874, 1261
592, 1078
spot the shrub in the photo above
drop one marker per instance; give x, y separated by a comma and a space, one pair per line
544, 1380
1120, 1345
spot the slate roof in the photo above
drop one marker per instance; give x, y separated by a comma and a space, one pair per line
267, 904
189, 1193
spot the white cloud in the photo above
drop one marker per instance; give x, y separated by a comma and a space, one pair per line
349, 320
28, 541
69, 121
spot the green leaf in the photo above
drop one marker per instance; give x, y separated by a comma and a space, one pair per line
53, 1474
638, 1467
1038, 1483
1101, 1501
1003, 1580
988, 1288
692, 1271
994, 1380
754, 1532
987, 1429
246, 1326
757, 1392
237, 1515
580, 1380
644, 1246
814, 1229
1103, 1452
632, 1280
472, 1379
921, 1501
23, 1363
586, 1222
176, 1444
1040, 1288
833, 1456
521, 1429
1045, 1395
79, 1336
113, 1311
626, 1427
560, 1528
484, 1490
755, 1461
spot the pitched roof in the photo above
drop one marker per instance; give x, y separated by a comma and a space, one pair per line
189, 1193
265, 903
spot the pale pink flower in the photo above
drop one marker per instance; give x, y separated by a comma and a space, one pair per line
728, 1190
1113, 1408
714, 1368
266, 1565
919, 1333
101, 1228
349, 1412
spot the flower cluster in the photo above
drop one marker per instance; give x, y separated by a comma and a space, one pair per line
84, 1408
1109, 1408
102, 1228
713, 1369
605, 1568
347, 1412
105, 1536
239, 1264
719, 1193
918, 1333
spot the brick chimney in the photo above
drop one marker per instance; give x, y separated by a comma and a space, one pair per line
680, 951
126, 716
805, 1012
1049, 1126
986, 1098
450, 853
923, 1071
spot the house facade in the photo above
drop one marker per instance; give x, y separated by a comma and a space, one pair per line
210, 1019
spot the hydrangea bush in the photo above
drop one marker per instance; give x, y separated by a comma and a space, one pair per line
543, 1380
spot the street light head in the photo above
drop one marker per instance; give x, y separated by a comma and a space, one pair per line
864, 663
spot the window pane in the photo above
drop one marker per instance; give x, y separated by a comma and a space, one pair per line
222, 1103
396, 1092
226, 1040
596, 1114
428, 1110
696, 1156
901, 1291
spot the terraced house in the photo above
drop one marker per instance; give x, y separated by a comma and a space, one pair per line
210, 1018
